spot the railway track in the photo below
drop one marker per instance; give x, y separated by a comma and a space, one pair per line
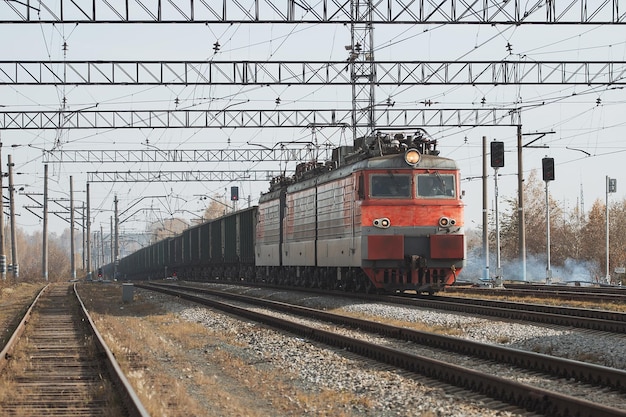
525, 396
592, 319
56, 364
600, 320
597, 295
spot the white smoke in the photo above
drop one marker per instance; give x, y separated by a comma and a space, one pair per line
536, 269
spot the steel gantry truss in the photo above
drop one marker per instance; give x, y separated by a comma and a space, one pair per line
281, 154
313, 11
461, 72
181, 176
157, 119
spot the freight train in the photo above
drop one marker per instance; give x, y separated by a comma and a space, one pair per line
383, 215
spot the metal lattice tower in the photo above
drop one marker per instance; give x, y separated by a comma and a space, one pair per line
362, 68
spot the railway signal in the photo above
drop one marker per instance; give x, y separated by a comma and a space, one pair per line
497, 154
611, 187
547, 166
497, 161
234, 193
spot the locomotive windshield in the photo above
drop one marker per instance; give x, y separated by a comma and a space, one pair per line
390, 186
436, 185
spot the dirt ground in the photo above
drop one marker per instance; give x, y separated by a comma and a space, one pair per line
179, 368
14, 300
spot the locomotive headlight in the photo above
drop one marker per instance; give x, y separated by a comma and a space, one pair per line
412, 156
446, 222
383, 223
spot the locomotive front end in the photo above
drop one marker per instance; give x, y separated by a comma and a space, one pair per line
412, 222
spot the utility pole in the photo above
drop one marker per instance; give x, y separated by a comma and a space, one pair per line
16, 270
88, 234
485, 212
117, 240
111, 248
83, 240
521, 221
548, 267
72, 243
103, 258
44, 249
3, 257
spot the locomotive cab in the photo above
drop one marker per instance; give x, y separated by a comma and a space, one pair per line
412, 222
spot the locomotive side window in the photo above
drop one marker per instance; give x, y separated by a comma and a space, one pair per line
390, 186
361, 187
436, 185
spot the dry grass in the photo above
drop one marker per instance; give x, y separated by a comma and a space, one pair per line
179, 368
582, 357
611, 306
14, 300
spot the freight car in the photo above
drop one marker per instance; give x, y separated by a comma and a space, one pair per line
220, 248
385, 214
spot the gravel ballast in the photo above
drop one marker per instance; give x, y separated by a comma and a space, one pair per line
357, 386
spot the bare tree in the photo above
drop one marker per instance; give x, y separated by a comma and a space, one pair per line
594, 235
29, 248
535, 219
617, 238
162, 229
567, 232
217, 208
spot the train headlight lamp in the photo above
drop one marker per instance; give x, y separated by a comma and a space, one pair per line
446, 221
412, 157
382, 223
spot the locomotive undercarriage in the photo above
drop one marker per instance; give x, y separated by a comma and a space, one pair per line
420, 280
347, 279
390, 279
423, 279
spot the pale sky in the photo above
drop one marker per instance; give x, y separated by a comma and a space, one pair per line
587, 121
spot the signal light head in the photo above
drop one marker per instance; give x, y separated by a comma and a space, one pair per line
497, 154
547, 166
234, 193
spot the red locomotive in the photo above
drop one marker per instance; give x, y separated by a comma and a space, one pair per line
385, 214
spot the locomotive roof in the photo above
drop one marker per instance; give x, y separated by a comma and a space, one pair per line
394, 161
397, 162
378, 150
